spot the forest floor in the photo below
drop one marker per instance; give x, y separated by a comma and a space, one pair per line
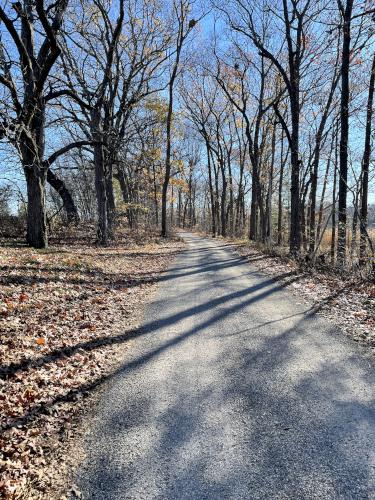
67, 315
347, 300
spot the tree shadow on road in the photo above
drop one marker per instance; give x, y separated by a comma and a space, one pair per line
310, 438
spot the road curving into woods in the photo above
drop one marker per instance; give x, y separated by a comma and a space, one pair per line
232, 390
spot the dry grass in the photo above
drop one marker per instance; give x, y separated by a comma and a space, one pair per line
327, 237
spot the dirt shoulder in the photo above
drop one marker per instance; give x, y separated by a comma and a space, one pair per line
348, 301
67, 318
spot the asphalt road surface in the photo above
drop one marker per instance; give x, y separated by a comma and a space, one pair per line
233, 390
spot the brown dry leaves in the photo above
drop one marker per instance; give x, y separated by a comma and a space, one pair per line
349, 302
65, 317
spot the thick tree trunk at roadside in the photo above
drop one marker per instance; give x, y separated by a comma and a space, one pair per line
36, 207
230, 211
101, 196
34, 60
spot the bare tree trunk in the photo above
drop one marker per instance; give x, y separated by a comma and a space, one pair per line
211, 188
179, 207
172, 208
270, 186
101, 196
344, 119
333, 236
217, 204
280, 201
230, 212
366, 166
167, 174
223, 200
111, 201
36, 207
295, 221
156, 204
354, 225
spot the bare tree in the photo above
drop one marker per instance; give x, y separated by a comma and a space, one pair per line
181, 12
34, 33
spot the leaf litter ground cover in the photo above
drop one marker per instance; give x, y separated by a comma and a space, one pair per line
66, 316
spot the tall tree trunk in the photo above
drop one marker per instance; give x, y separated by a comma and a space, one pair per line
231, 200
167, 174
344, 119
223, 200
333, 237
156, 204
365, 167
303, 216
217, 204
253, 212
354, 225
172, 208
211, 187
239, 200
295, 220
280, 201
101, 197
179, 207
270, 186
